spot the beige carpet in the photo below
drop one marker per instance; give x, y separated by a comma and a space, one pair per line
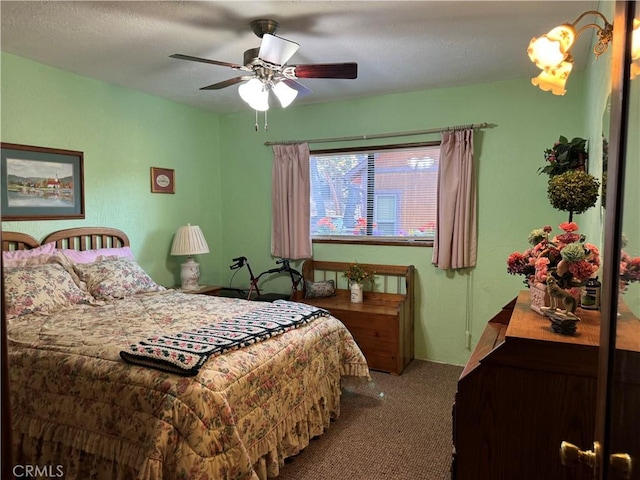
394, 427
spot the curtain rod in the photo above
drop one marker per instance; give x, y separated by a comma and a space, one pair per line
382, 135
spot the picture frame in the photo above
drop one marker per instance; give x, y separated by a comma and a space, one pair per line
162, 180
41, 183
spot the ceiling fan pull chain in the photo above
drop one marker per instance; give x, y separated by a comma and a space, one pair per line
256, 125
266, 125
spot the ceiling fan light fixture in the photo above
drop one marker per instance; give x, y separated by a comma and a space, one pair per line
554, 80
286, 95
256, 94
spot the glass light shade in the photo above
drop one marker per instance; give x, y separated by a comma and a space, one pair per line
554, 80
551, 49
189, 240
635, 49
635, 40
255, 93
285, 93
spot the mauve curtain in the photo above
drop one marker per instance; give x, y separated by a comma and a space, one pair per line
290, 200
455, 244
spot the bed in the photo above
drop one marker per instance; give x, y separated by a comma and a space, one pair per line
79, 409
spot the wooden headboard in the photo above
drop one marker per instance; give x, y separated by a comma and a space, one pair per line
79, 238
18, 241
88, 238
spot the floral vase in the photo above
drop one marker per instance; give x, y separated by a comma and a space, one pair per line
356, 293
539, 297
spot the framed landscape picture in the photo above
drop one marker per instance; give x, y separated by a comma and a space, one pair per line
41, 183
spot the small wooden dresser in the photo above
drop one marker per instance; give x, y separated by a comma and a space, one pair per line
525, 389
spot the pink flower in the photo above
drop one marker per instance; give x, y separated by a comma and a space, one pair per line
567, 238
569, 226
582, 270
541, 269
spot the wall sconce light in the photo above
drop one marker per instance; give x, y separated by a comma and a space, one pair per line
189, 240
635, 49
551, 52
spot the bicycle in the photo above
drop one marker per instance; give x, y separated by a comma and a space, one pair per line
254, 293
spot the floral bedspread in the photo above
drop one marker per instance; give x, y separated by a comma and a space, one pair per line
76, 405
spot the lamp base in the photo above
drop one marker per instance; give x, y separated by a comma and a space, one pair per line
190, 274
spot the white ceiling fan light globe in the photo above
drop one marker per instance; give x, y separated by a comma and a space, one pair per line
286, 95
255, 94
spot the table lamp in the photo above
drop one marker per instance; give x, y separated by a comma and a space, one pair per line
189, 241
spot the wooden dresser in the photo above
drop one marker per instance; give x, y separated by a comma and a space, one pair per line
525, 389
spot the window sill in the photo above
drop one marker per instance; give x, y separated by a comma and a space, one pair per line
374, 241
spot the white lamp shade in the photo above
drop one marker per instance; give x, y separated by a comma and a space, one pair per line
189, 240
255, 94
285, 94
554, 80
550, 50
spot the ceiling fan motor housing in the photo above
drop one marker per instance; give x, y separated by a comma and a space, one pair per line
262, 26
251, 55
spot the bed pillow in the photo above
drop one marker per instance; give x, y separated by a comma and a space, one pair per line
28, 261
115, 277
41, 289
46, 249
326, 288
90, 256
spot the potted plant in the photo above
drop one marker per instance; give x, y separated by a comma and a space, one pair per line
565, 156
573, 191
357, 275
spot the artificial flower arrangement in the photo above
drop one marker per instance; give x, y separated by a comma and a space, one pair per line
567, 257
356, 273
629, 268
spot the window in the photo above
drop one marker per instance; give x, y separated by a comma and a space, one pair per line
383, 194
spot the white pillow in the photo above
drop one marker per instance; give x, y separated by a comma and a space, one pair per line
46, 249
90, 256
115, 277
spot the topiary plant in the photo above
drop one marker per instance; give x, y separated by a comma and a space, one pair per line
573, 191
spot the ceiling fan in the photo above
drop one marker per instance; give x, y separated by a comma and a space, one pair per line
267, 71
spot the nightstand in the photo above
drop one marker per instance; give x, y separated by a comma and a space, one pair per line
213, 290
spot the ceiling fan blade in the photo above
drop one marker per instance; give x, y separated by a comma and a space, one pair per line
205, 60
276, 50
227, 83
326, 70
301, 89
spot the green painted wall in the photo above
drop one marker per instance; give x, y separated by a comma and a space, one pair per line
122, 134
223, 176
512, 196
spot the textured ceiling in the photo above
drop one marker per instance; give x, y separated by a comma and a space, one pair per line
399, 46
